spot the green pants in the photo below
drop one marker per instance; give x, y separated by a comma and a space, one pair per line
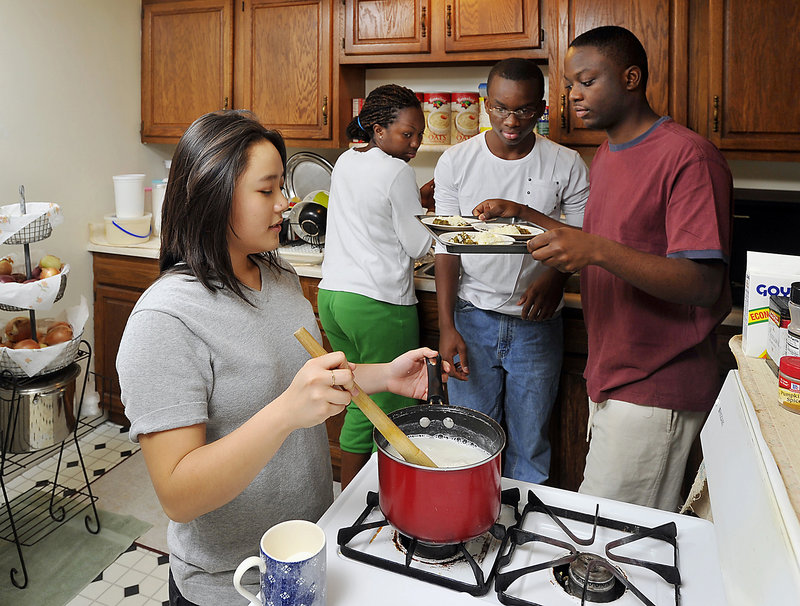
368, 332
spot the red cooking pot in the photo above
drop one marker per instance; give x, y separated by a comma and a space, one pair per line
441, 505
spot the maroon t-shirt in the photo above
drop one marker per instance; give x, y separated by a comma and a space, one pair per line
669, 193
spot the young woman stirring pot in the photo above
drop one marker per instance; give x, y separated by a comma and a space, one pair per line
227, 407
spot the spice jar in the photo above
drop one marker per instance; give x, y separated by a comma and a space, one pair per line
789, 383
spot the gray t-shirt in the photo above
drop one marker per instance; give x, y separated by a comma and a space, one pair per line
191, 356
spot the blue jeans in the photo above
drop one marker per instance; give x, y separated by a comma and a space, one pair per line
514, 368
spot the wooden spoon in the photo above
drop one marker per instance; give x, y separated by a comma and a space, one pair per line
393, 434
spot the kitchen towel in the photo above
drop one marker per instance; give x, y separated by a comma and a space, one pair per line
62, 563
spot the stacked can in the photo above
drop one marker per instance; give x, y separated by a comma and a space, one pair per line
436, 108
464, 115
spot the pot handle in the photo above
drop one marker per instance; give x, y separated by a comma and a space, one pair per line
436, 393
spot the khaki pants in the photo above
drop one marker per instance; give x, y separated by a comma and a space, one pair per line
638, 454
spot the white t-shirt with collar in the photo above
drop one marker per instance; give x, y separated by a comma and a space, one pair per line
551, 179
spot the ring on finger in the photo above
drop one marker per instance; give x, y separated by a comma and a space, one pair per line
333, 379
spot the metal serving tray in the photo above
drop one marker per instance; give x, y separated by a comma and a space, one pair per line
518, 247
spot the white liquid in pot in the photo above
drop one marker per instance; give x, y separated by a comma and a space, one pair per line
445, 452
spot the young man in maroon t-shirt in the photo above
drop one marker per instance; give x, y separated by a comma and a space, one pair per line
653, 257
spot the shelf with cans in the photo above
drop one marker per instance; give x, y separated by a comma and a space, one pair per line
454, 117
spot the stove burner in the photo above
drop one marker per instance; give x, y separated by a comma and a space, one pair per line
586, 576
594, 573
474, 578
428, 552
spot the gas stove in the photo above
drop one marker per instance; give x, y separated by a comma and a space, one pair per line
549, 547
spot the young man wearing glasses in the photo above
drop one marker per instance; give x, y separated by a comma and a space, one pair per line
499, 315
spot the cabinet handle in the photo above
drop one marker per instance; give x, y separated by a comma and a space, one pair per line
716, 113
325, 110
449, 21
563, 111
225, 104
423, 25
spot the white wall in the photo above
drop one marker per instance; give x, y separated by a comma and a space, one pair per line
69, 119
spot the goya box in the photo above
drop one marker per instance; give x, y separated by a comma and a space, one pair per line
767, 274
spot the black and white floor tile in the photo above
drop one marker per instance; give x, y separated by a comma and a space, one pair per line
139, 576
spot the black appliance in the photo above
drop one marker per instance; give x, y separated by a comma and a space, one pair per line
764, 220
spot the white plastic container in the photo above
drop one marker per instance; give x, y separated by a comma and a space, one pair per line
159, 189
125, 232
129, 196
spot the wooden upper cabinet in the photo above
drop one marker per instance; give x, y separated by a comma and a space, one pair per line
409, 31
753, 51
662, 28
491, 24
283, 65
378, 26
186, 46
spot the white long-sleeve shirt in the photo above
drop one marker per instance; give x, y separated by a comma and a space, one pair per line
551, 179
372, 235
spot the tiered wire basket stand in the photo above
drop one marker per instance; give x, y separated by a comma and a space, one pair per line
31, 516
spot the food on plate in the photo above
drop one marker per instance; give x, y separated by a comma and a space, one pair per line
479, 238
511, 230
6, 266
60, 332
453, 221
27, 344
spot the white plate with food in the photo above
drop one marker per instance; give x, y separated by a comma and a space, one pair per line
476, 238
449, 223
518, 231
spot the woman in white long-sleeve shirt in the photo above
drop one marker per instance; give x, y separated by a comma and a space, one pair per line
366, 300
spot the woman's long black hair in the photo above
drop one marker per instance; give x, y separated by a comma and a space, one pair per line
208, 161
381, 107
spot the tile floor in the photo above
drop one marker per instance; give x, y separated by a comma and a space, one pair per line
139, 576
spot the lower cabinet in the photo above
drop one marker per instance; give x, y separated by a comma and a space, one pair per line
119, 281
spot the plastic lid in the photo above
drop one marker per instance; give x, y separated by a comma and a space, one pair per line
795, 296
790, 365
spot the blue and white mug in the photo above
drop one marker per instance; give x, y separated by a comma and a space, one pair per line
292, 566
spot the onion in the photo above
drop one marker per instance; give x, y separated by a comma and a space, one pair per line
6, 266
58, 333
18, 329
27, 344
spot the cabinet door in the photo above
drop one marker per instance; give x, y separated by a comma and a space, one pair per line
753, 52
187, 64
491, 24
112, 307
376, 26
660, 25
283, 71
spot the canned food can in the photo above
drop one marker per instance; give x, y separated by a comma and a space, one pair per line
465, 116
436, 108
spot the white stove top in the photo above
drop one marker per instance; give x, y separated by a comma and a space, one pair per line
352, 582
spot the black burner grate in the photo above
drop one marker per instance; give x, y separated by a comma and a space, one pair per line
516, 536
410, 567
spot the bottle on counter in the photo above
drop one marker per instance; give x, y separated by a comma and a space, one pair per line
543, 125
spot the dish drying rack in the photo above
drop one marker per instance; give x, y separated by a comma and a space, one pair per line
30, 525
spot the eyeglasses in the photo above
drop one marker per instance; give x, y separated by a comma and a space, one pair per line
523, 113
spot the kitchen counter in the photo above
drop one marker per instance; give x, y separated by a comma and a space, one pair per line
780, 428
